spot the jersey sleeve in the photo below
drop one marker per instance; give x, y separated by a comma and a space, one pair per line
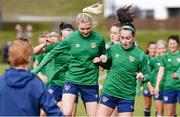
108, 64
59, 49
39, 58
151, 67
102, 48
162, 62
151, 62
144, 68
178, 73
49, 48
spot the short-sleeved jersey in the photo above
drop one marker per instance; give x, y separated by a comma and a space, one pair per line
121, 79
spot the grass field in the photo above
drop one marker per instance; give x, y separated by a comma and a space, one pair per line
45, 7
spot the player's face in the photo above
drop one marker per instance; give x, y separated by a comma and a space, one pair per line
152, 50
126, 38
55, 39
161, 49
85, 28
42, 40
173, 45
115, 34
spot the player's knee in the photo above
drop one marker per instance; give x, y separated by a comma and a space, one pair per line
170, 113
67, 112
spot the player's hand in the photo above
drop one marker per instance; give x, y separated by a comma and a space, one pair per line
103, 58
140, 76
107, 46
151, 89
96, 60
174, 76
43, 78
35, 71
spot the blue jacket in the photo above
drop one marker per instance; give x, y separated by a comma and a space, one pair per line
22, 94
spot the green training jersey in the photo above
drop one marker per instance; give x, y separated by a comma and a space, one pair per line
154, 64
145, 85
49, 69
171, 63
30, 67
178, 73
39, 58
121, 79
81, 69
61, 63
110, 43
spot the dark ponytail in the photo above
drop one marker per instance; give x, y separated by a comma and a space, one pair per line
125, 16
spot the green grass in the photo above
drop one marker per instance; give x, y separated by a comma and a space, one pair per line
145, 36
142, 36
45, 7
3, 66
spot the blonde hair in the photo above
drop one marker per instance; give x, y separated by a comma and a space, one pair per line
94, 9
85, 17
43, 34
20, 53
54, 34
161, 42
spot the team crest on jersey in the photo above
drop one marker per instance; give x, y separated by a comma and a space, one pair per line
67, 87
104, 99
93, 44
158, 64
77, 45
165, 98
116, 55
131, 58
169, 60
178, 60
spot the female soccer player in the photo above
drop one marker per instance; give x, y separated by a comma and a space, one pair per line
82, 75
147, 87
127, 60
114, 35
60, 65
154, 63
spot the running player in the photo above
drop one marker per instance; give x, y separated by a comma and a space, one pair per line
127, 60
82, 75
